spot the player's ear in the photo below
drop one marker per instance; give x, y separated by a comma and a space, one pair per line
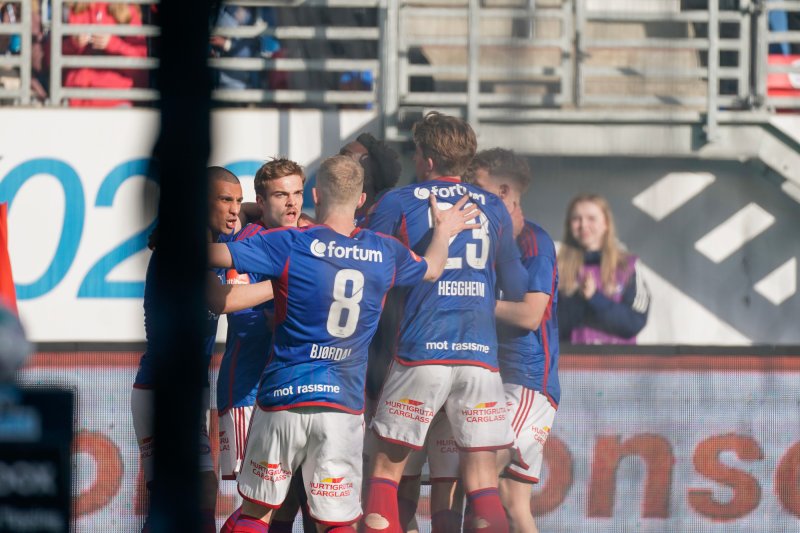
504, 190
429, 164
361, 200
314, 194
259, 200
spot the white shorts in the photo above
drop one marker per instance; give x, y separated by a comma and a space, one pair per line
532, 416
325, 444
142, 413
471, 396
233, 426
440, 450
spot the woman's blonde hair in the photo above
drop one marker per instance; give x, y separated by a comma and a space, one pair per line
571, 254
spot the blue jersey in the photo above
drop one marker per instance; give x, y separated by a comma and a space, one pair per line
145, 378
329, 290
452, 321
530, 358
247, 344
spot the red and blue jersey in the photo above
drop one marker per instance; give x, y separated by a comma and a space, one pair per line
247, 344
329, 291
530, 358
452, 321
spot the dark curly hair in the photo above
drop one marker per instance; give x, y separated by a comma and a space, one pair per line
385, 162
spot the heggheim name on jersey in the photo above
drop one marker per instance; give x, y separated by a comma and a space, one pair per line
331, 249
455, 191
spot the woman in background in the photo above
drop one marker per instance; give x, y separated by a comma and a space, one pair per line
603, 299
104, 44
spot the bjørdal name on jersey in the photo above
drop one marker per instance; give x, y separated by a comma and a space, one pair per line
329, 352
331, 249
455, 191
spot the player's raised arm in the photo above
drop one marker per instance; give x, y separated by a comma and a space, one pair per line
219, 256
223, 299
447, 223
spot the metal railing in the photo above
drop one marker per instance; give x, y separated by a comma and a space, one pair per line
764, 69
489, 60
18, 65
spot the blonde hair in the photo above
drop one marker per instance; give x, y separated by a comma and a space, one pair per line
341, 180
571, 254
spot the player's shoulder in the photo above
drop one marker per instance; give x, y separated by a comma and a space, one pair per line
250, 230
536, 237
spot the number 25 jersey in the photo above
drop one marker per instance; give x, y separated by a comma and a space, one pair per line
452, 321
329, 291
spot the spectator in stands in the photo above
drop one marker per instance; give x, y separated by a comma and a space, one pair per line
10, 13
104, 44
234, 17
603, 298
271, 48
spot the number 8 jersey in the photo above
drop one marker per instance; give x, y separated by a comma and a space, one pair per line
329, 291
452, 321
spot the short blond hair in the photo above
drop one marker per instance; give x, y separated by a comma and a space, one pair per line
341, 180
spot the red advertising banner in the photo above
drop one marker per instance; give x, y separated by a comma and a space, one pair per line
641, 442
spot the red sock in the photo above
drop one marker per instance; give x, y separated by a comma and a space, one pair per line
248, 524
279, 526
488, 514
381, 514
227, 527
446, 521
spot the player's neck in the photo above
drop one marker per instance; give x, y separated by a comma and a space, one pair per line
339, 219
434, 176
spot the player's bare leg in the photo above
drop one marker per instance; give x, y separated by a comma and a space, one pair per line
516, 498
254, 518
479, 475
381, 514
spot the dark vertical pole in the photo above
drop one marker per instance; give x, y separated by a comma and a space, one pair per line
181, 155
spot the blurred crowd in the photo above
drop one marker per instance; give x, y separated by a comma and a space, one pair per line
254, 40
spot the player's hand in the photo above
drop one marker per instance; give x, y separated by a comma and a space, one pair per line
588, 287
456, 219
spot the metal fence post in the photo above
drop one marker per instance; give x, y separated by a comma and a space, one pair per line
760, 52
578, 27
473, 59
25, 53
57, 22
387, 23
713, 71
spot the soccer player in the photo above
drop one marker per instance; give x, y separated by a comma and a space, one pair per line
381, 167
330, 281
528, 337
447, 350
224, 202
279, 195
